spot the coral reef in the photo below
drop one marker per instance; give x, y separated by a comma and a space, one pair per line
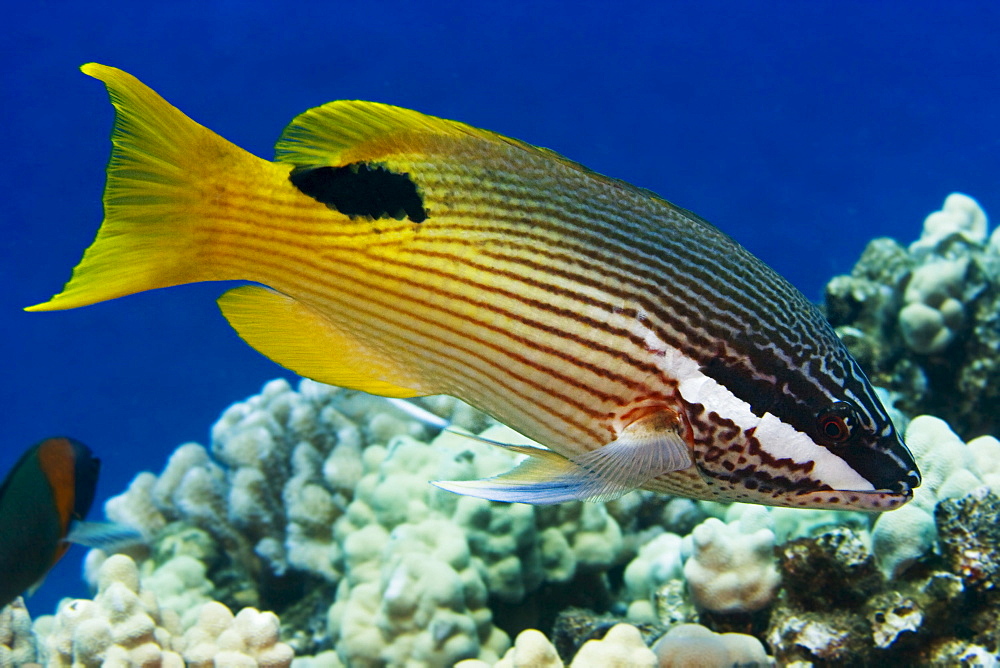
924, 321
124, 625
531, 649
403, 572
17, 646
250, 638
837, 607
731, 568
422, 599
950, 468
621, 647
326, 491
367, 564
693, 645
315, 503
657, 564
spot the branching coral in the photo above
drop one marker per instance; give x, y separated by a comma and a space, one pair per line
17, 646
731, 567
331, 487
124, 625
924, 321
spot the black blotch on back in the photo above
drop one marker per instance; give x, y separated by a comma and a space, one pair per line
362, 189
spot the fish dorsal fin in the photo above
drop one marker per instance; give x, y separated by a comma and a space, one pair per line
647, 448
298, 338
350, 131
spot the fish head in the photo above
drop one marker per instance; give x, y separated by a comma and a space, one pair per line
814, 436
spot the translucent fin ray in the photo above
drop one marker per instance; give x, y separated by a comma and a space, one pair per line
650, 447
106, 536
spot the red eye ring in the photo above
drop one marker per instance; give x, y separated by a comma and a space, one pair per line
836, 423
835, 428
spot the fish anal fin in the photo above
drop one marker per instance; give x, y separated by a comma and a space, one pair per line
298, 338
543, 478
651, 446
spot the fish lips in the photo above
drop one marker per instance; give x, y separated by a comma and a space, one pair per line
886, 464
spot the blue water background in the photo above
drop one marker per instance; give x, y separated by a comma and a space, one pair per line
803, 129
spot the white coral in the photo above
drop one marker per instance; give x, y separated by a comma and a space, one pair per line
331, 482
413, 595
125, 625
17, 646
621, 647
693, 645
731, 567
251, 638
960, 216
658, 562
531, 650
950, 468
934, 309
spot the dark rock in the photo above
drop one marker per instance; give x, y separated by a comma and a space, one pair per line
575, 626
969, 535
834, 569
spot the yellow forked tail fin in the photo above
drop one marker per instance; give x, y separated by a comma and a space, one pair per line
163, 187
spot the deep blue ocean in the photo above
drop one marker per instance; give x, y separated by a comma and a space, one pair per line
803, 129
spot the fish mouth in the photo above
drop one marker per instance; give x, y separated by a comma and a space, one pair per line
890, 468
911, 482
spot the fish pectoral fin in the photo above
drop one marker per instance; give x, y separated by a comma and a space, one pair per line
298, 338
107, 536
647, 448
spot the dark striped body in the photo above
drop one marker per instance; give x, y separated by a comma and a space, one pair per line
411, 255
561, 301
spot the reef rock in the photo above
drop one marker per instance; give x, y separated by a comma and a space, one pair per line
924, 321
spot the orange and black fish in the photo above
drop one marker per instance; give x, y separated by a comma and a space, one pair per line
409, 255
43, 502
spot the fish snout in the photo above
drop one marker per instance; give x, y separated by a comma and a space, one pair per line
912, 480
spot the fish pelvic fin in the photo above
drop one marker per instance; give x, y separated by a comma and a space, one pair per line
647, 448
166, 183
543, 478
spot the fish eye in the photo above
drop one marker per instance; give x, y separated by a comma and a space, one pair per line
837, 423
